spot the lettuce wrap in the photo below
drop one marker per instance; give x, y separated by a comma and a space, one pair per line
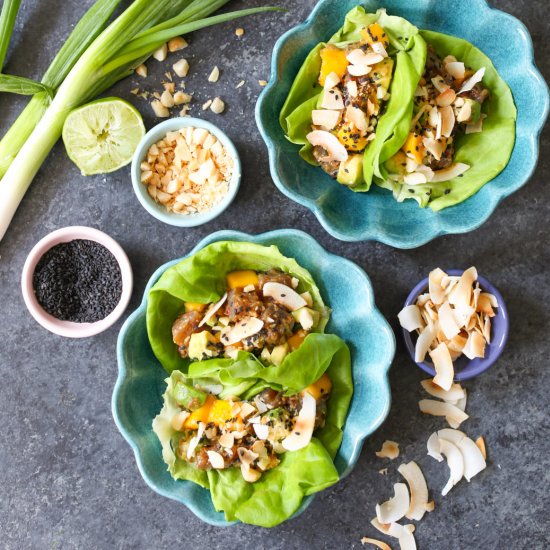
279, 492
486, 152
201, 278
408, 50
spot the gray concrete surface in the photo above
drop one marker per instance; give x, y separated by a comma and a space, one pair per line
69, 480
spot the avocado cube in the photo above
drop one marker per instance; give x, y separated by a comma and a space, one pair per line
351, 170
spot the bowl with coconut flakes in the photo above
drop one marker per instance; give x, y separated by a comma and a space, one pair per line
186, 172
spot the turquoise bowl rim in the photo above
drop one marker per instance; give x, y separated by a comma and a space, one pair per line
381, 382
155, 134
374, 233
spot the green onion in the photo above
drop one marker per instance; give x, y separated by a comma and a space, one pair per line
7, 21
122, 46
22, 86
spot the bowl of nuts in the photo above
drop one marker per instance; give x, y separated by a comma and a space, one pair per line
186, 171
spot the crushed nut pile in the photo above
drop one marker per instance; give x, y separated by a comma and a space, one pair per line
188, 171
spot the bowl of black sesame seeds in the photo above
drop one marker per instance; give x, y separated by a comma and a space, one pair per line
77, 281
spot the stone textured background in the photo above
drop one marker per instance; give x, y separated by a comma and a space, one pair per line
69, 480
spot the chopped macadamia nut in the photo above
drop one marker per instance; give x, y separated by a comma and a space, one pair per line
214, 75
142, 70
167, 99
207, 105
181, 68
188, 171
181, 98
160, 110
218, 106
177, 43
262, 83
169, 87
239, 31
161, 53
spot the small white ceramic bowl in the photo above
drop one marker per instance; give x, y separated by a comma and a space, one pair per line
68, 328
159, 211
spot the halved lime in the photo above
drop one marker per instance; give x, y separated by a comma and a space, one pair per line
101, 137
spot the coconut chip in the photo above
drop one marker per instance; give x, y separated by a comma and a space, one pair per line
418, 490
390, 449
377, 543
480, 442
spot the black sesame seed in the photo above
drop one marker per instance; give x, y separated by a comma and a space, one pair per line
447, 191
78, 281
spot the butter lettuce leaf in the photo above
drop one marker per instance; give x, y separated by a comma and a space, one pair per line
407, 48
201, 278
487, 152
280, 491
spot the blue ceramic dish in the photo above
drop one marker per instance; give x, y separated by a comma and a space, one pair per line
500, 324
137, 397
159, 211
376, 215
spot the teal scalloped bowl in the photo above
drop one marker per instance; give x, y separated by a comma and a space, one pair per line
376, 215
137, 396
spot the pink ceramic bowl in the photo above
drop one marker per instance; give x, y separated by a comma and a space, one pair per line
68, 328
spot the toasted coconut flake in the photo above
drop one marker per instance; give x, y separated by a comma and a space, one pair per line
457, 344
358, 118
452, 395
359, 57
216, 460
378, 48
484, 304
284, 295
446, 98
440, 84
227, 440
383, 471
474, 461
443, 365
461, 403
477, 127
447, 120
330, 143
304, 425
382, 527
423, 343
410, 318
390, 449
394, 509
447, 321
472, 81
435, 147
437, 408
327, 119
430, 506
262, 431
246, 410
195, 440
243, 329
475, 346
480, 442
377, 543
456, 69
462, 293
415, 178
351, 86
213, 309
418, 490
435, 287
453, 171
454, 461
433, 447
359, 70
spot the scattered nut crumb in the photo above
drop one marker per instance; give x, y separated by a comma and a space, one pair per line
239, 31
390, 449
206, 105
168, 75
161, 53
167, 99
142, 70
218, 106
182, 97
169, 87
214, 75
241, 83
135, 91
156, 95
160, 110
177, 43
181, 68
383, 472
262, 83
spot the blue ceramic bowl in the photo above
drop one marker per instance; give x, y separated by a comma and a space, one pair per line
158, 210
376, 215
137, 397
467, 368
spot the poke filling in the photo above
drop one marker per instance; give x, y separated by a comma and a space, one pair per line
447, 102
213, 433
355, 81
261, 313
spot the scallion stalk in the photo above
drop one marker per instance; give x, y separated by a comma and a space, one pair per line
7, 21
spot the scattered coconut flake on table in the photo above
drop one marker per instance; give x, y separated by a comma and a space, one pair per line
396, 507
418, 490
390, 449
438, 408
378, 543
